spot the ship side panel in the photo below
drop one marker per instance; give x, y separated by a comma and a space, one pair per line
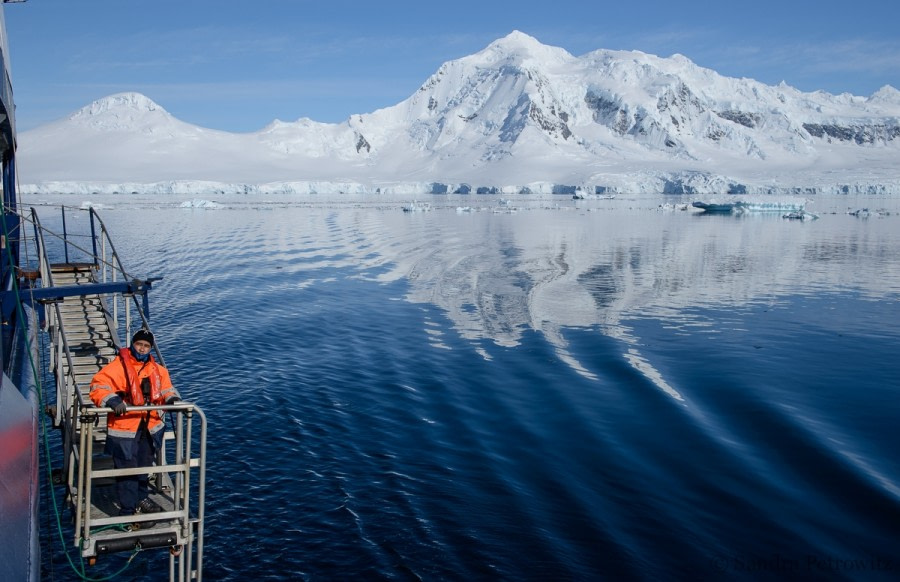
19, 471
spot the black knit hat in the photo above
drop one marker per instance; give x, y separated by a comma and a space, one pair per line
142, 334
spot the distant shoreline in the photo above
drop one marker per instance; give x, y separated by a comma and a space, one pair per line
703, 185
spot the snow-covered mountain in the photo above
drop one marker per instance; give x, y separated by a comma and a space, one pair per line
516, 116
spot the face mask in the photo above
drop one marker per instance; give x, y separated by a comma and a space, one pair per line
138, 356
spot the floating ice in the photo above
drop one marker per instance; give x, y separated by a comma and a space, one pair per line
200, 203
416, 206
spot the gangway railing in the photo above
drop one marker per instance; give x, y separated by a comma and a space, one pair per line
178, 474
98, 532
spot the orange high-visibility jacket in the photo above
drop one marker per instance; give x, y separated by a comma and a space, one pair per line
113, 380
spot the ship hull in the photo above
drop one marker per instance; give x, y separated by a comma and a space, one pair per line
19, 468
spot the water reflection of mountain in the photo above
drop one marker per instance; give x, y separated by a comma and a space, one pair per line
498, 275
547, 268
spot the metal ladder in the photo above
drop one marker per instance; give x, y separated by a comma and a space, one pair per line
89, 335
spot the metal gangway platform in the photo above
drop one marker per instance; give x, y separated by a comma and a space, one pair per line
88, 303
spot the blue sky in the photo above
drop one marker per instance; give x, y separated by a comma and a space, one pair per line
237, 66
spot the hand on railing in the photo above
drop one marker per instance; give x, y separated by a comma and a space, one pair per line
118, 405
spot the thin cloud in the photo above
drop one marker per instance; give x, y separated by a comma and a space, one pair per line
181, 48
856, 56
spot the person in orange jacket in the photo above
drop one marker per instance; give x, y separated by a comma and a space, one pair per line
134, 378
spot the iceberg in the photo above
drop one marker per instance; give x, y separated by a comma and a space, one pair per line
751, 205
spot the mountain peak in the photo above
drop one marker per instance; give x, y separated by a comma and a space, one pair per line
886, 94
517, 38
122, 110
517, 44
126, 100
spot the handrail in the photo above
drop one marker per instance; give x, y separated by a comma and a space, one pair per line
189, 528
62, 401
111, 269
118, 267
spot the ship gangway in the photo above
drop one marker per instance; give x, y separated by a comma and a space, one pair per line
88, 303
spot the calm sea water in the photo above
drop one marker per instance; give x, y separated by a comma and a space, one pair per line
539, 390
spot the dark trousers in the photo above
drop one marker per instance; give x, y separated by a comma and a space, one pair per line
132, 489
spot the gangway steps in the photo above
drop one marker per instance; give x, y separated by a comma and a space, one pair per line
85, 323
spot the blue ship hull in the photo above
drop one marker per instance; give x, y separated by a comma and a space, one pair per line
19, 400
19, 547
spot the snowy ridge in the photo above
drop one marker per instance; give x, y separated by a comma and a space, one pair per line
516, 117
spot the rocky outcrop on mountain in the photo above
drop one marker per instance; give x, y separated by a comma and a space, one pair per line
861, 134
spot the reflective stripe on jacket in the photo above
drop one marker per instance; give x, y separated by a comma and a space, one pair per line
122, 377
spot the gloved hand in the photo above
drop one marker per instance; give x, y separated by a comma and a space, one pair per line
172, 400
117, 404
